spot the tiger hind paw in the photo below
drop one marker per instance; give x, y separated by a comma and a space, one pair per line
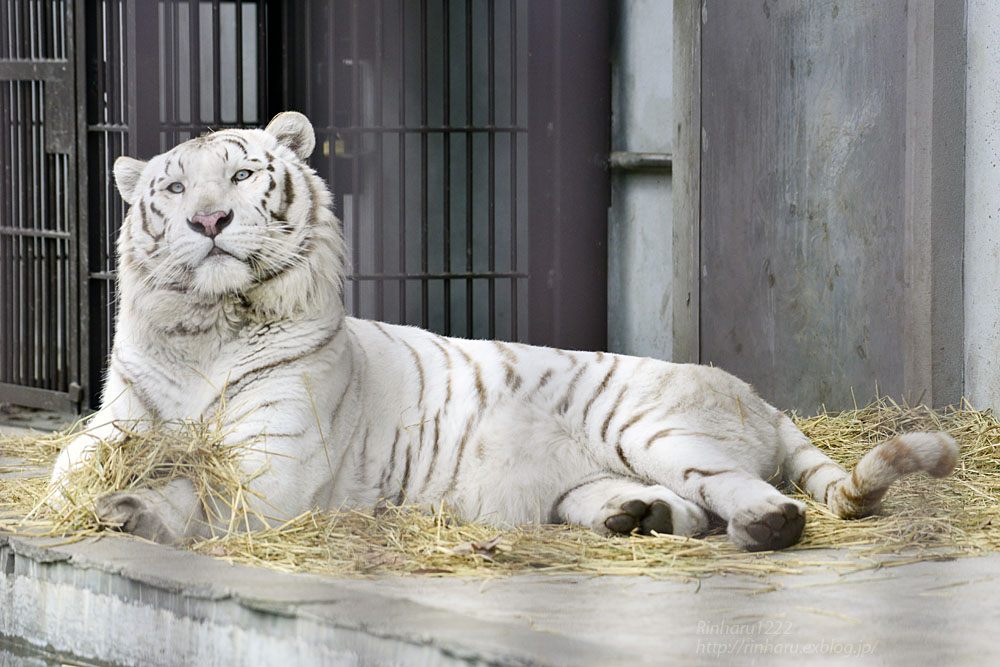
769, 525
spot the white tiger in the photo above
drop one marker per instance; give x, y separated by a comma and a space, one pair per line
230, 276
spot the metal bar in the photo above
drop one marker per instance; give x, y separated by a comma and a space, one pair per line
514, 314
239, 62
6, 243
379, 239
447, 165
402, 160
263, 73
28, 196
424, 232
24, 282
109, 127
78, 219
633, 161
331, 56
37, 233
457, 275
168, 85
491, 175
469, 216
33, 70
75, 317
216, 63
194, 55
38, 301
354, 118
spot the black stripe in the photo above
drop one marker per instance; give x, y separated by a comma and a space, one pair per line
387, 473
469, 426
611, 413
567, 398
363, 471
288, 192
633, 420
505, 351
544, 380
448, 368
434, 451
601, 388
621, 455
140, 394
477, 371
512, 378
420, 371
660, 434
704, 473
554, 512
808, 474
406, 472
145, 224
233, 388
231, 140
378, 325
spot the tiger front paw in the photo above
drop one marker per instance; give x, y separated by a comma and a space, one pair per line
638, 515
655, 509
129, 513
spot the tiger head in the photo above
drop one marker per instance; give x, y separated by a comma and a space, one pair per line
234, 213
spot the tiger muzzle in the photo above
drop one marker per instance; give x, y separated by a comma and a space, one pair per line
211, 224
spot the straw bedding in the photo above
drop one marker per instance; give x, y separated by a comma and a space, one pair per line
922, 518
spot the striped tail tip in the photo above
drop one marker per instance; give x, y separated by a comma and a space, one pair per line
860, 493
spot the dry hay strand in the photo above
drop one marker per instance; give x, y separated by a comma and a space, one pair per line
922, 519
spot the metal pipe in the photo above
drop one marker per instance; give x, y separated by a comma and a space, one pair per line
631, 161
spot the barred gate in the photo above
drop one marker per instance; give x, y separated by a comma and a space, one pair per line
422, 111
39, 242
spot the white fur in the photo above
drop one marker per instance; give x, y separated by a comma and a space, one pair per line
353, 412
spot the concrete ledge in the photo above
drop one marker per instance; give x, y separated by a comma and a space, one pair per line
120, 600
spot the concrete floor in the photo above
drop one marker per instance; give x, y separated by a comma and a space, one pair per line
122, 601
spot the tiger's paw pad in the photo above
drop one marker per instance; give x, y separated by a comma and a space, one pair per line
129, 513
768, 526
641, 516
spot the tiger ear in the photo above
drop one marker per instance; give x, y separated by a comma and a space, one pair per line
294, 131
127, 173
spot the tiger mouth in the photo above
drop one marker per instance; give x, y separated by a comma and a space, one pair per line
216, 250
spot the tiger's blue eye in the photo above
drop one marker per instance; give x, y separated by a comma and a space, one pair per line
176, 187
241, 175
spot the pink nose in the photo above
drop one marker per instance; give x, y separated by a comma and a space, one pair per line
210, 224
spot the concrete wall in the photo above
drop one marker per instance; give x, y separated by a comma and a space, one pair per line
819, 209
982, 206
639, 229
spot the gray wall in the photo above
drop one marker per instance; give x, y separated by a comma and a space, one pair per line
982, 205
802, 197
818, 212
639, 229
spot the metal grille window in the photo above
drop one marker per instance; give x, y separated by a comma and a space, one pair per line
420, 110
